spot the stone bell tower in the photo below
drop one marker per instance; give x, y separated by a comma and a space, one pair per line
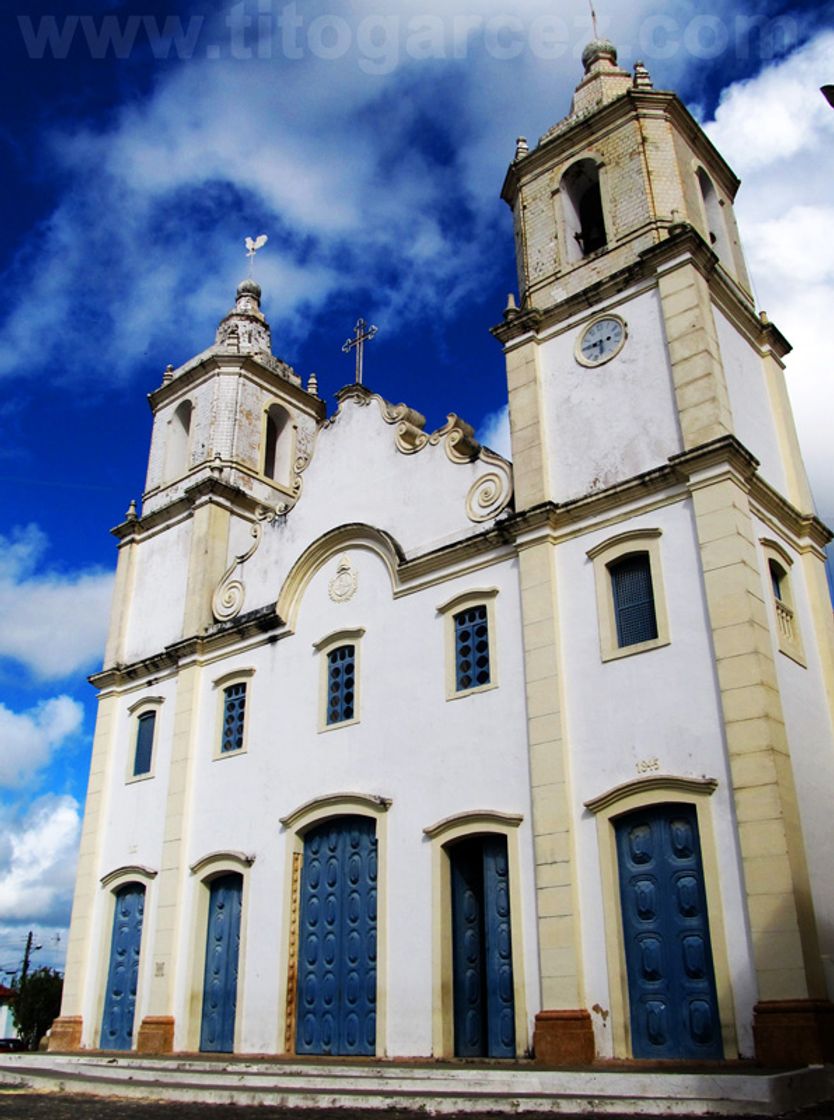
641, 377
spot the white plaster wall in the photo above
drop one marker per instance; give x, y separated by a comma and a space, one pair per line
749, 401
434, 758
158, 592
811, 741
202, 434
661, 704
7, 1027
614, 421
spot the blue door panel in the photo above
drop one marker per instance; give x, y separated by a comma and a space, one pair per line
671, 982
123, 973
217, 1032
337, 951
482, 970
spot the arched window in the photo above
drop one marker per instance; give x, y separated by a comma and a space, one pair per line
278, 444
630, 598
584, 217
779, 575
716, 226
179, 440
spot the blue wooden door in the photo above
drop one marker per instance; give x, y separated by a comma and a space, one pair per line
337, 946
671, 982
484, 1006
217, 1032
123, 973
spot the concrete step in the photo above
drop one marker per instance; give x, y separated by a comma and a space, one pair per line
435, 1088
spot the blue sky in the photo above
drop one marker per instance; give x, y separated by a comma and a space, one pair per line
143, 141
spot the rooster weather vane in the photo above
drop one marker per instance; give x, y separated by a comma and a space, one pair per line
252, 245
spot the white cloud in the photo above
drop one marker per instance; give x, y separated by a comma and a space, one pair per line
777, 132
54, 623
29, 739
494, 431
37, 863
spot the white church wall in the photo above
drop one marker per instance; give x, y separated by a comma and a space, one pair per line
158, 594
631, 717
616, 420
433, 757
749, 403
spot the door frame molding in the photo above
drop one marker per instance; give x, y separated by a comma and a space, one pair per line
471, 823
297, 824
656, 790
204, 871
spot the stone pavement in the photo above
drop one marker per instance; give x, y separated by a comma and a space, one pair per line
17, 1105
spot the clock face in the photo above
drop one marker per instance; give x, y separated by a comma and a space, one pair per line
601, 341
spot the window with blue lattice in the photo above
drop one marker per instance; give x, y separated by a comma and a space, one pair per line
472, 669
143, 754
234, 712
631, 585
341, 684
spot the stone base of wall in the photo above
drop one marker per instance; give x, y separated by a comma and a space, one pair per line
156, 1035
564, 1038
794, 1032
66, 1033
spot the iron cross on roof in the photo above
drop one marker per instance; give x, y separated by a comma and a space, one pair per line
362, 333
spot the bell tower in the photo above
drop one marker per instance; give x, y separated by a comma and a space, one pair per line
649, 420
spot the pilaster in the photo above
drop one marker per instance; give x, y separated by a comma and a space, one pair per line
206, 563
156, 1032
531, 471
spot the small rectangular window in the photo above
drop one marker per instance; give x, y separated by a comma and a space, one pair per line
341, 684
472, 668
631, 585
144, 744
234, 711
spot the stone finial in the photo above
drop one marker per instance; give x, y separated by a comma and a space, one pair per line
313, 385
764, 319
511, 310
521, 148
642, 78
131, 511
168, 375
599, 51
245, 330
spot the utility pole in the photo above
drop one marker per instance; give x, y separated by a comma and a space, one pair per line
27, 953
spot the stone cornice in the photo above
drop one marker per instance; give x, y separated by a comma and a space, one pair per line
206, 490
573, 133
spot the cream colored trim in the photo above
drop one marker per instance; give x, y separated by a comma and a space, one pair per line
241, 676
657, 791
127, 874
331, 544
324, 647
472, 818
233, 677
230, 861
145, 701
299, 822
782, 611
445, 833
639, 786
603, 555
449, 611
320, 807
208, 868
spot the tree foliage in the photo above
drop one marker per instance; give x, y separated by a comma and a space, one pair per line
36, 1004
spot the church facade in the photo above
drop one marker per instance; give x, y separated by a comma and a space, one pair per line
443, 756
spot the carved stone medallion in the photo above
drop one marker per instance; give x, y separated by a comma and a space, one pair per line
343, 586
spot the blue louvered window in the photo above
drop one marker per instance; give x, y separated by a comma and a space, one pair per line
471, 648
234, 711
631, 584
341, 684
144, 744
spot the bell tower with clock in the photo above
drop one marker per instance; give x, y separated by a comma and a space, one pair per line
653, 447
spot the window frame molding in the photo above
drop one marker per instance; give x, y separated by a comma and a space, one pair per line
785, 606
465, 600
235, 676
563, 194
604, 554
643, 793
136, 710
325, 646
291, 428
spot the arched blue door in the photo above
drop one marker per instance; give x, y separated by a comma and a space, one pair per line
217, 1032
484, 1005
671, 982
123, 974
337, 947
